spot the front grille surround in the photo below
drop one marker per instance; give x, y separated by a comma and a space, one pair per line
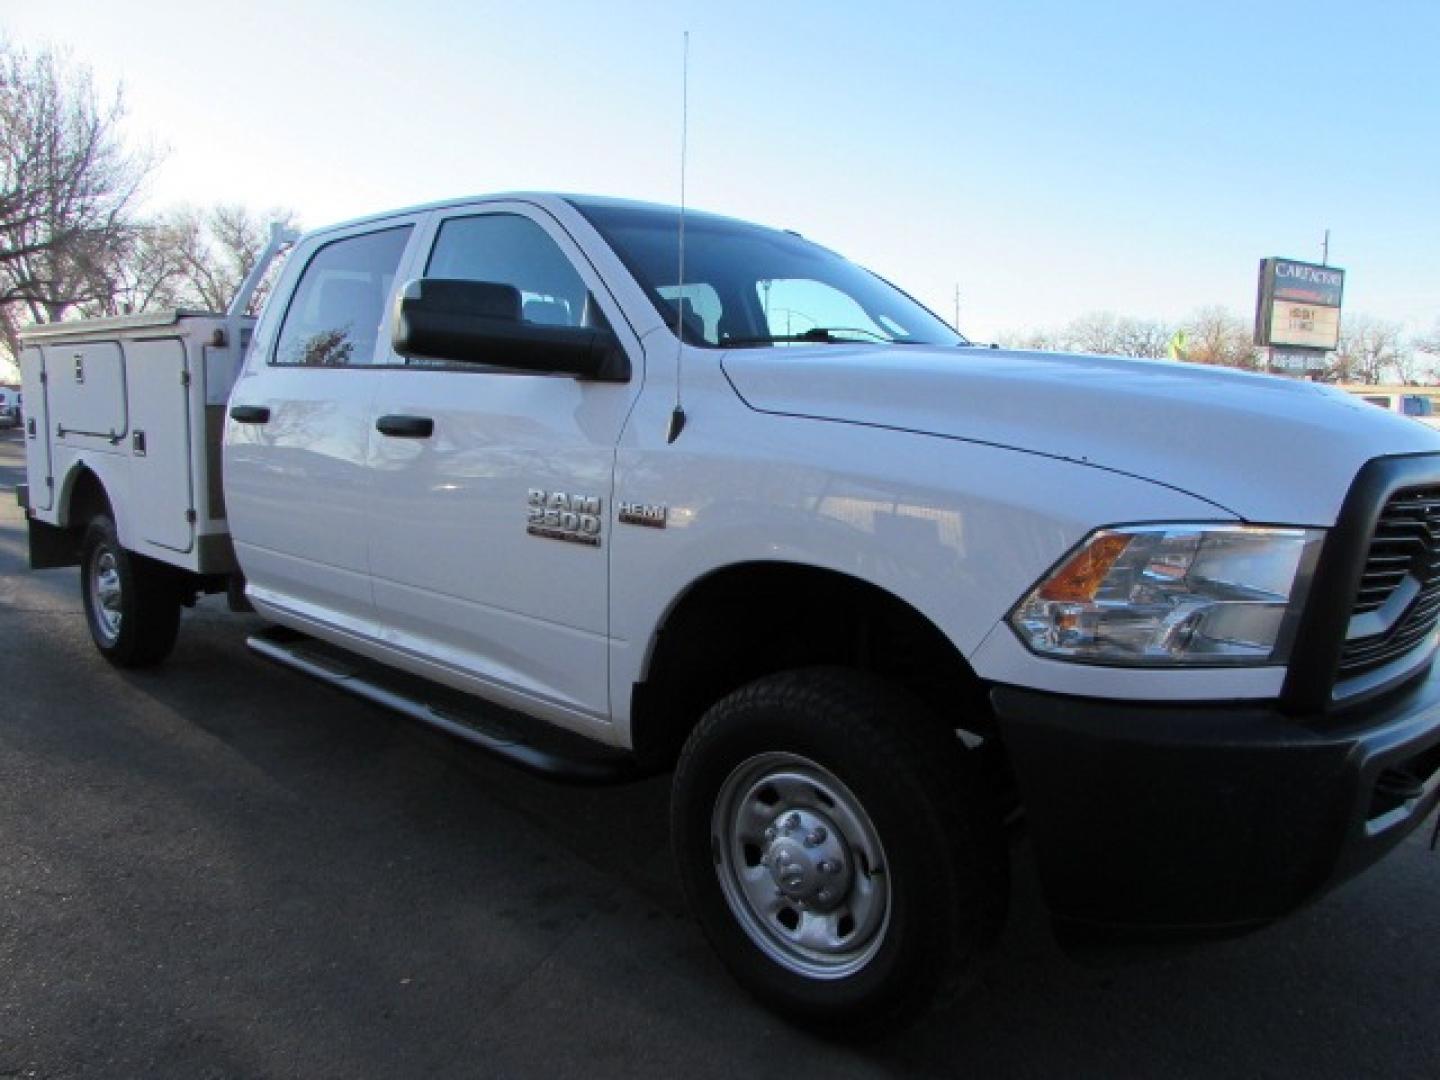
1396, 606
1315, 686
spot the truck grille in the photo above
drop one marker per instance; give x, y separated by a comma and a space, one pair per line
1403, 561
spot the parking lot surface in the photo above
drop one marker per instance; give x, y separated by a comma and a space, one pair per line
221, 869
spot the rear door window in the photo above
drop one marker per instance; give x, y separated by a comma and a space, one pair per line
335, 314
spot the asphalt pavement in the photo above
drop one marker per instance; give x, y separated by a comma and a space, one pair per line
221, 869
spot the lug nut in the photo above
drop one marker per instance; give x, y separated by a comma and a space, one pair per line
816, 836
770, 833
792, 822
828, 867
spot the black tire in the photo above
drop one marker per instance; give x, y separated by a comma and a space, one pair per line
945, 877
132, 604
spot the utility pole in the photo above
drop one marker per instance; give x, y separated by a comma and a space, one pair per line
1325, 250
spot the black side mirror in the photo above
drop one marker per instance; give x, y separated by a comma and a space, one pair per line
479, 322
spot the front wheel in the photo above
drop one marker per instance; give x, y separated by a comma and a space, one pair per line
132, 605
838, 848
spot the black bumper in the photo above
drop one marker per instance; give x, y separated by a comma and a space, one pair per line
1173, 816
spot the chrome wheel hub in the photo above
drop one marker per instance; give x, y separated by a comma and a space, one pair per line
801, 865
807, 859
105, 594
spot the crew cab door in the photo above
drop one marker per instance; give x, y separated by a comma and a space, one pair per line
461, 452
297, 486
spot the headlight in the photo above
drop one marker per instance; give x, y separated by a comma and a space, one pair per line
1172, 595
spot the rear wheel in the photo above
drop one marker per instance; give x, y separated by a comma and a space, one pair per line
132, 605
838, 848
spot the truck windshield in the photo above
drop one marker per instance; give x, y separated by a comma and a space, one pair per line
747, 286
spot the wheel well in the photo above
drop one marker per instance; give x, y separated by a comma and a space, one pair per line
87, 498
751, 620
53, 546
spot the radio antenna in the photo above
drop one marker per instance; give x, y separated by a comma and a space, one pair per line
677, 415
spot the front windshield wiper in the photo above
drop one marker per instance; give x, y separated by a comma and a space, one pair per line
823, 334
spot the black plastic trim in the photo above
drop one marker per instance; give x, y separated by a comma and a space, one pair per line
406, 427
532, 745
1310, 683
1178, 815
50, 546
250, 414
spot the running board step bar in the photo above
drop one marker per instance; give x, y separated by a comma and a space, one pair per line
530, 744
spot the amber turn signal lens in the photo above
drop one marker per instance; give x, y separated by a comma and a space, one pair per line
1078, 580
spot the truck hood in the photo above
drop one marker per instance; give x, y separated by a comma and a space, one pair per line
1266, 449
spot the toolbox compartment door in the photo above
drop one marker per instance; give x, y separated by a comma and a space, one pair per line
160, 442
87, 391
39, 473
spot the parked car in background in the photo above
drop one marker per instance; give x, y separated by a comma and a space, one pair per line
10, 415
1414, 403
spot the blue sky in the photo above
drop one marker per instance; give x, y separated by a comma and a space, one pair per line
1049, 158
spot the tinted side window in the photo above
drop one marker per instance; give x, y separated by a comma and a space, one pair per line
334, 317
699, 305
506, 249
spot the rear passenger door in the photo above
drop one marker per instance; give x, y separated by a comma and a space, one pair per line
297, 486
461, 579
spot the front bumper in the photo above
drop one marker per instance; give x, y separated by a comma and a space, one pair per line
1172, 816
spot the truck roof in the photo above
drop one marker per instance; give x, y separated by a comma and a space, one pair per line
545, 199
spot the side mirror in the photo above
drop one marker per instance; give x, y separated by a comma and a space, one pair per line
478, 322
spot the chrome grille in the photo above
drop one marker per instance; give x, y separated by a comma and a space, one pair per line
1398, 602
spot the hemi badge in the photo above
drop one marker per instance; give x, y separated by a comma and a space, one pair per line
651, 515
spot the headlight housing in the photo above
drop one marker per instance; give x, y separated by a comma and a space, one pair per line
1173, 596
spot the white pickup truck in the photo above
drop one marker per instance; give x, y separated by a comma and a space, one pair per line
873, 593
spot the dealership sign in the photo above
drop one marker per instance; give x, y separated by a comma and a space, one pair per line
1296, 361
1298, 305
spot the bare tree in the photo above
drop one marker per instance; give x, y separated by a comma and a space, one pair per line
1094, 332
1033, 340
9, 332
143, 273
1218, 336
68, 187
1101, 332
1143, 337
216, 248
1428, 346
1409, 365
1369, 347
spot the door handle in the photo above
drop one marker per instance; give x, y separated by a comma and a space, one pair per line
406, 427
249, 414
